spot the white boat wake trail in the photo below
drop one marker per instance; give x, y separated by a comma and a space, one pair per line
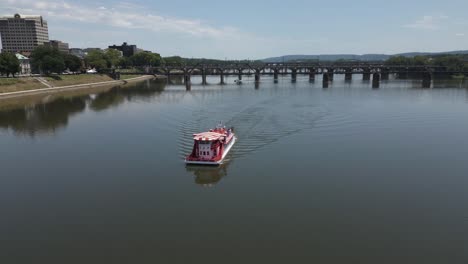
256, 125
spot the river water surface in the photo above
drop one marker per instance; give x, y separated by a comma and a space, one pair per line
347, 174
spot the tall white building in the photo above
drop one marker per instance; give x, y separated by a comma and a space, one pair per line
23, 33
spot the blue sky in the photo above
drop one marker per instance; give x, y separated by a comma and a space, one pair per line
245, 29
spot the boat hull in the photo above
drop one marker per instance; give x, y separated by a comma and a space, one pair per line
213, 163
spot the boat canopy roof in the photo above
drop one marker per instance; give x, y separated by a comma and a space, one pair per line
208, 136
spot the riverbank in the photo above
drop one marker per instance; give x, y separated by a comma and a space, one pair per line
31, 83
37, 86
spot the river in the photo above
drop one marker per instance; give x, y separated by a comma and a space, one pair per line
347, 174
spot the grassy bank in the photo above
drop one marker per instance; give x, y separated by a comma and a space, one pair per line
30, 83
19, 84
64, 80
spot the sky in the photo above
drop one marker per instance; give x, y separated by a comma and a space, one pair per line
254, 29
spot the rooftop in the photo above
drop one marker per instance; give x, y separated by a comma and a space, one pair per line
21, 57
20, 16
208, 136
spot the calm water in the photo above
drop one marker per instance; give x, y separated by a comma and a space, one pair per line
347, 174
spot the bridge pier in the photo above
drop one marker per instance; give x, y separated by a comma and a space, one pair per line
204, 76
294, 75
326, 79
275, 75
240, 74
366, 74
376, 80
187, 78
348, 75
311, 74
427, 80
331, 73
221, 76
188, 82
257, 76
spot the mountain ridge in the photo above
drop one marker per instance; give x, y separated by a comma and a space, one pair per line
363, 57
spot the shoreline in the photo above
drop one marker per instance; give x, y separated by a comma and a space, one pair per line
9, 95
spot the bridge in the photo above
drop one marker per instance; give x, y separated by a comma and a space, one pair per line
375, 71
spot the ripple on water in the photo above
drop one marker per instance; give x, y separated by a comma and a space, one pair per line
256, 125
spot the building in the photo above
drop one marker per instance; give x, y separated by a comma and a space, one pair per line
61, 46
127, 50
24, 64
23, 33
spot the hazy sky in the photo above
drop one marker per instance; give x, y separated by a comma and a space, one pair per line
255, 29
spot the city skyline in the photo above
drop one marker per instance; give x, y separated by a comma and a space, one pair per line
254, 30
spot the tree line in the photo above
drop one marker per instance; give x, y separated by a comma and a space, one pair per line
47, 60
450, 62
112, 58
43, 60
177, 60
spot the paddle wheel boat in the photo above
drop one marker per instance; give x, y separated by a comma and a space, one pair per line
210, 148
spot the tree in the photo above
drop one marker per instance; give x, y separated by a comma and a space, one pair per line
96, 59
72, 62
124, 62
173, 60
420, 60
9, 64
53, 64
398, 60
146, 59
45, 59
112, 57
451, 62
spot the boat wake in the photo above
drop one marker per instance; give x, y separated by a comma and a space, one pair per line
255, 125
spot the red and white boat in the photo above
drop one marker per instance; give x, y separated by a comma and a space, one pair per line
210, 148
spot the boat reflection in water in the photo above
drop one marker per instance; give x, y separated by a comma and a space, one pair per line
208, 176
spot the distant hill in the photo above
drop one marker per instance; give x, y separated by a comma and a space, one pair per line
365, 57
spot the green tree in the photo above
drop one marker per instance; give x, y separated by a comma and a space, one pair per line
398, 60
45, 59
156, 59
146, 59
451, 62
53, 64
124, 62
420, 60
9, 64
112, 57
173, 60
72, 62
96, 59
